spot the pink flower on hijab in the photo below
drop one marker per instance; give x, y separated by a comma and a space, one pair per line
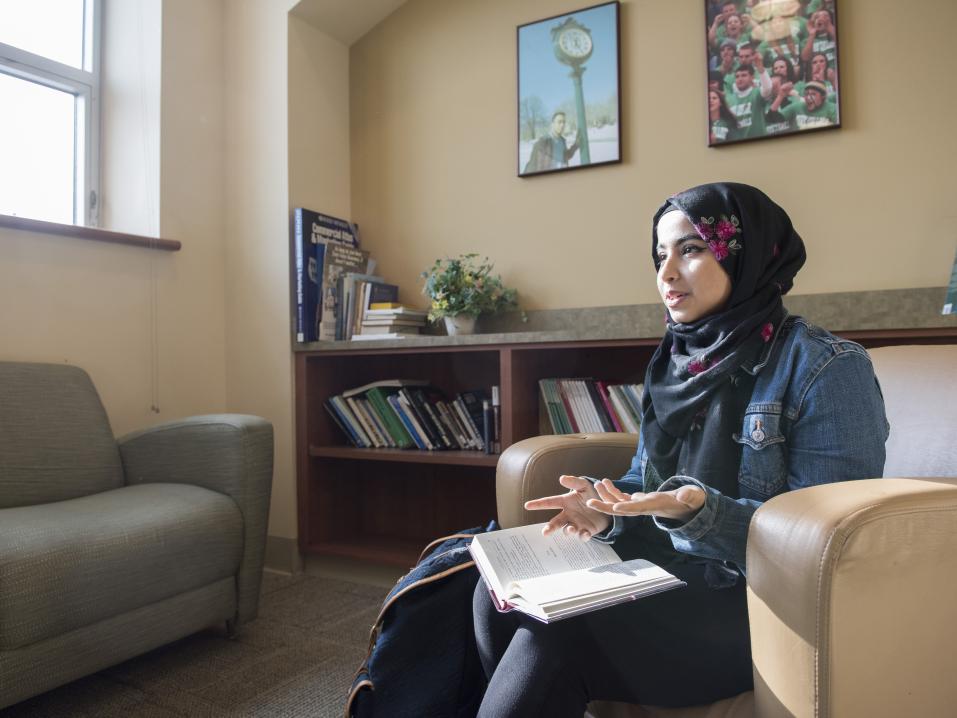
767, 331
698, 365
704, 229
719, 248
726, 229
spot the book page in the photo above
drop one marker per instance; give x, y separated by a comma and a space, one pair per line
594, 583
520, 553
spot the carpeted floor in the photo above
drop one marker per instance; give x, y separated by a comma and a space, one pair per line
296, 659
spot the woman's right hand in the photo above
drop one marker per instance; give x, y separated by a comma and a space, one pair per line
574, 517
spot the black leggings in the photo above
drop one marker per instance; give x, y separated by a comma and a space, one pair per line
683, 647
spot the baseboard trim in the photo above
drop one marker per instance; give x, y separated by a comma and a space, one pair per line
282, 555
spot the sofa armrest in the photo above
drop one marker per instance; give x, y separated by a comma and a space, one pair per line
228, 453
851, 595
529, 469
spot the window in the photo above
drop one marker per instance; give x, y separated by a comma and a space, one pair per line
49, 126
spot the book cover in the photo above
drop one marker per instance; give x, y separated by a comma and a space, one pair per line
379, 398
396, 404
337, 261
423, 406
556, 576
597, 405
346, 413
341, 423
563, 393
472, 401
415, 420
468, 423
312, 230
621, 408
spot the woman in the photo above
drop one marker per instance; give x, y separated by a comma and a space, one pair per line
724, 125
741, 402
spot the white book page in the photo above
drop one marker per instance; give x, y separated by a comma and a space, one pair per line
593, 583
520, 553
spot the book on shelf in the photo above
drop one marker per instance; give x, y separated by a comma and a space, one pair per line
406, 414
337, 261
352, 293
568, 406
556, 576
311, 231
471, 402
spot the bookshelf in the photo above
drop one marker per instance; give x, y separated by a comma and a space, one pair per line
385, 505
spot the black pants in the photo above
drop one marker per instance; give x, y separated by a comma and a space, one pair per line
683, 647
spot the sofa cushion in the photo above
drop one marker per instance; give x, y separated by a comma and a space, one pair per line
55, 438
71, 563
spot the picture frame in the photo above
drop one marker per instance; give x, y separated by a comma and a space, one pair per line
791, 50
569, 78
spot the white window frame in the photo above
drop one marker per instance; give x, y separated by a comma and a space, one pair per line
84, 84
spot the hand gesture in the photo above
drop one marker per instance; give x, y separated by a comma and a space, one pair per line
759, 62
575, 518
785, 89
680, 504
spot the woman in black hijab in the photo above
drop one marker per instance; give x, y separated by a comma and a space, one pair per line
742, 402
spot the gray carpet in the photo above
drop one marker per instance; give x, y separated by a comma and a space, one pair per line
296, 659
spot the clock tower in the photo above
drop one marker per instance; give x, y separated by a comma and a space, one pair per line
573, 46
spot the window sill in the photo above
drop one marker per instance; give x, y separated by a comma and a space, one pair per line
93, 233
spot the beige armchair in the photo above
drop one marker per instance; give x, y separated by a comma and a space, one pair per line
852, 587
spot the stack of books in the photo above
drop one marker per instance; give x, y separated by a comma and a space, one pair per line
409, 414
390, 320
584, 406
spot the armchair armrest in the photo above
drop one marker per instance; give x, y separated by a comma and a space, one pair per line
228, 453
529, 469
851, 595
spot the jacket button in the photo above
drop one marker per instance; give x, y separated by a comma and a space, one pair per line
757, 434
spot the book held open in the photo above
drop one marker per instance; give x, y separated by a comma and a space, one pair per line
557, 576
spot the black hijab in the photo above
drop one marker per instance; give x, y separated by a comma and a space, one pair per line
700, 379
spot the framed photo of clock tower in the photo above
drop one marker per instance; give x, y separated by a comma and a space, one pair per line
569, 114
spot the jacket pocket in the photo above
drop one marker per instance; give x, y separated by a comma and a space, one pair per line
763, 471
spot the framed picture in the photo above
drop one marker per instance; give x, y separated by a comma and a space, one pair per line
772, 68
569, 115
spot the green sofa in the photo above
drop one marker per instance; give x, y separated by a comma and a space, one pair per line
110, 548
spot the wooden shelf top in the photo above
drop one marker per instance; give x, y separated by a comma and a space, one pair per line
415, 456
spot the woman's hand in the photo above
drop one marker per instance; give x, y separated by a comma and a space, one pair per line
681, 504
574, 516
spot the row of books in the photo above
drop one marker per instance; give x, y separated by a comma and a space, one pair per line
336, 284
413, 414
585, 405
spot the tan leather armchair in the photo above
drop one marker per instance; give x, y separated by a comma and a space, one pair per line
852, 587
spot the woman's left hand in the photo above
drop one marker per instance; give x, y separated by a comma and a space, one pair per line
681, 504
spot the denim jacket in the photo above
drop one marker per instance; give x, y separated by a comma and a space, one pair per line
816, 416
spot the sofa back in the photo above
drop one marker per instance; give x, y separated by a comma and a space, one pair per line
919, 383
55, 438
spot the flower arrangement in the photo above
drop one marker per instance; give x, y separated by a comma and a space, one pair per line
464, 286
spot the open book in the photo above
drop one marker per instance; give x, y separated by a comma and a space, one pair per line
557, 576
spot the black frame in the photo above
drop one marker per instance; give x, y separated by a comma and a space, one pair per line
800, 72
523, 163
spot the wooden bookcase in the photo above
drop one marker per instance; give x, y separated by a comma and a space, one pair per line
385, 505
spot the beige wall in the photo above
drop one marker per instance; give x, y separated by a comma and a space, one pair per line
258, 365
433, 152
146, 325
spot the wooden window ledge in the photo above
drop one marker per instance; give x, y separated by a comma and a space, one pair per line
93, 233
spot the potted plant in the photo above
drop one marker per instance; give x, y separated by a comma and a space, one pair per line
461, 289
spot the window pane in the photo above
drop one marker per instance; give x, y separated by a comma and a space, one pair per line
52, 28
37, 147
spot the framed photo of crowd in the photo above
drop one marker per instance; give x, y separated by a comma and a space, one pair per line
569, 115
772, 68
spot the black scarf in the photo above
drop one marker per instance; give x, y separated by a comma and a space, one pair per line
700, 379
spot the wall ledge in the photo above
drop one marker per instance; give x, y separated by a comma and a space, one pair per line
92, 233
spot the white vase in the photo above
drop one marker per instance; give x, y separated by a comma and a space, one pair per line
459, 324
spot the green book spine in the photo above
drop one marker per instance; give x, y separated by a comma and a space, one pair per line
378, 396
